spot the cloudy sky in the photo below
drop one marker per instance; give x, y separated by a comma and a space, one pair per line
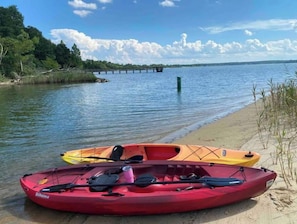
168, 31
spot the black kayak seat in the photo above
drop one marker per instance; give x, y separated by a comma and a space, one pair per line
144, 180
104, 179
117, 152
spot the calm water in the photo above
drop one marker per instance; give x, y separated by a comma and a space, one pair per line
37, 123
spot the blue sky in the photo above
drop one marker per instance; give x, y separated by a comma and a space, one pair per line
168, 31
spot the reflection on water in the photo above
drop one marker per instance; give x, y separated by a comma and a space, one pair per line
37, 123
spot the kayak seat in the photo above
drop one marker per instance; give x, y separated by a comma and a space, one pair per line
145, 180
117, 152
99, 182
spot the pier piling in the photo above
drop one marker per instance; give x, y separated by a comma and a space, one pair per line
178, 84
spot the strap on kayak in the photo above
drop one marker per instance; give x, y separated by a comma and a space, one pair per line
191, 176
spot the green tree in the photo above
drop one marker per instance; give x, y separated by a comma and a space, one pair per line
3, 52
75, 58
18, 57
24, 49
9, 61
11, 22
50, 63
43, 48
62, 55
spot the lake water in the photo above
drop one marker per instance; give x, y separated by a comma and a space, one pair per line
37, 123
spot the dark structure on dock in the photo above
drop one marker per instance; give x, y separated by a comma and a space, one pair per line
159, 69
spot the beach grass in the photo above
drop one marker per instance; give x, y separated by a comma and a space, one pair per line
277, 122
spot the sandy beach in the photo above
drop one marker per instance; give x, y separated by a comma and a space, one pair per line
237, 131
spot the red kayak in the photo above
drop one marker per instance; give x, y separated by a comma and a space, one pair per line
149, 187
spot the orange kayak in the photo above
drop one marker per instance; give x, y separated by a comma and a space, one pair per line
161, 151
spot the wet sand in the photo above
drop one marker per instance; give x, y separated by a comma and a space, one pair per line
237, 131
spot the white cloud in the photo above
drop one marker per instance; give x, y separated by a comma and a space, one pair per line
167, 3
105, 1
285, 45
182, 42
80, 7
272, 24
294, 25
212, 47
255, 45
82, 4
179, 52
82, 13
120, 51
248, 33
71, 36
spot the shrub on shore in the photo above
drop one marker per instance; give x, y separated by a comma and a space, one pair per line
3, 78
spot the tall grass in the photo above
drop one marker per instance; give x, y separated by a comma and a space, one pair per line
59, 77
277, 122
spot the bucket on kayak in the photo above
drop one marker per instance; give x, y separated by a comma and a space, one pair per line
128, 174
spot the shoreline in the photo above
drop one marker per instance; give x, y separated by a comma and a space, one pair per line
231, 131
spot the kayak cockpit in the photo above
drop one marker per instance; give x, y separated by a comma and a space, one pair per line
151, 152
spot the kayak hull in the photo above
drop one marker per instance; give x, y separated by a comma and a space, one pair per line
164, 151
168, 194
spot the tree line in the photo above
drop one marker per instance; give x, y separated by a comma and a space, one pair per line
24, 50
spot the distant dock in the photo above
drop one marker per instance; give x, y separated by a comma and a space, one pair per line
119, 71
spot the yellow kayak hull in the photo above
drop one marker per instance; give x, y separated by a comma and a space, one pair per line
163, 151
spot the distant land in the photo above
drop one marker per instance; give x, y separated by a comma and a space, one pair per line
234, 63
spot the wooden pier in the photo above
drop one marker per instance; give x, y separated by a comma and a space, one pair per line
119, 71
